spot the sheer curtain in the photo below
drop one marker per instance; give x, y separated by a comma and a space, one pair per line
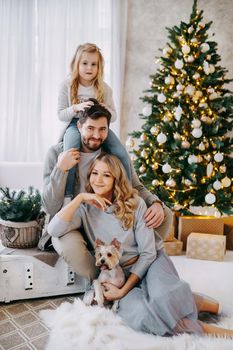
38, 39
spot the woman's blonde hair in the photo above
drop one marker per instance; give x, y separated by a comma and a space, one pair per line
125, 198
74, 68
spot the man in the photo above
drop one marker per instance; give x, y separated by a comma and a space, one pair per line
93, 125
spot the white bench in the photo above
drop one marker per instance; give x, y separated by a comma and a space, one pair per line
26, 274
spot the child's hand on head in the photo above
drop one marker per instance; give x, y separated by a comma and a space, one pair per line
82, 106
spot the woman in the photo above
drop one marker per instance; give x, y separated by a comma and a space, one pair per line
153, 299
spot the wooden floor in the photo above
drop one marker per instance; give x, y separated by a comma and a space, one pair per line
20, 324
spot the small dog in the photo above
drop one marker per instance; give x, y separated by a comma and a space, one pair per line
107, 258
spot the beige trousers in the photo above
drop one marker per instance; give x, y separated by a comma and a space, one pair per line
73, 248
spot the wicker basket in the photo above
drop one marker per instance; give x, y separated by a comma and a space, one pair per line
20, 234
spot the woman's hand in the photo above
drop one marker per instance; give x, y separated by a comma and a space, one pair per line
82, 106
95, 200
111, 292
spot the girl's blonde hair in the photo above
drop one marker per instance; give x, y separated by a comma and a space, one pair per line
74, 68
125, 198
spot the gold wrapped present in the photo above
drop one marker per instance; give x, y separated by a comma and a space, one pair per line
173, 247
228, 231
201, 224
173, 231
205, 246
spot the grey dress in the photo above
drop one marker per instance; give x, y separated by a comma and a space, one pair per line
161, 303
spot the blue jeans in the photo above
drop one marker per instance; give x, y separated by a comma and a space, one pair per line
112, 145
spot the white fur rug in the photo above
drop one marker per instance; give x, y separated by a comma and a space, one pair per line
80, 327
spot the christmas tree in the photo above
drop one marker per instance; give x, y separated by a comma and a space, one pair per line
184, 154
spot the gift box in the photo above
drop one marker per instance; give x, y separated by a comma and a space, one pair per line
228, 231
174, 228
173, 247
201, 224
205, 246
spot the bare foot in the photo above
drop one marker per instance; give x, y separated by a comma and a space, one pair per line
216, 331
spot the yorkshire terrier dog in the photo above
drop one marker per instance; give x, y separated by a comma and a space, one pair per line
107, 259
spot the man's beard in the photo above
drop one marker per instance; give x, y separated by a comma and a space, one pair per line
94, 147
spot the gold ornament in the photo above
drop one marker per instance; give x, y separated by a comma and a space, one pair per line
143, 137
154, 130
130, 142
223, 168
144, 154
155, 166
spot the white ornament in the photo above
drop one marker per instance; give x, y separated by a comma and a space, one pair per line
133, 157
187, 182
185, 49
169, 80
176, 136
196, 123
190, 30
201, 146
206, 67
210, 198
209, 169
144, 154
196, 76
161, 98
171, 182
203, 105
194, 40
185, 144
142, 169
217, 185
197, 132
130, 142
161, 138
155, 182
192, 159
147, 110
178, 207
166, 51
178, 112
179, 87
179, 64
190, 59
211, 68
218, 157
166, 168
189, 90
204, 47
226, 182
213, 96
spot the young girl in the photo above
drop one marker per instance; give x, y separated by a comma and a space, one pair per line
85, 82
153, 299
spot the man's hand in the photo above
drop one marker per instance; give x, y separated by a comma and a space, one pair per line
68, 159
154, 215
